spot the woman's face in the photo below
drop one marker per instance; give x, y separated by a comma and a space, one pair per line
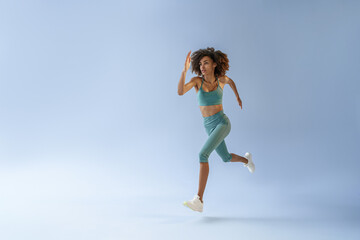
207, 65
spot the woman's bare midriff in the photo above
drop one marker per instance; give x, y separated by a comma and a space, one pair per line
207, 111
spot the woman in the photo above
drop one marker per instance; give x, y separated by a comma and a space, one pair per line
211, 65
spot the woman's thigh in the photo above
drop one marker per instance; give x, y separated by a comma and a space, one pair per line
216, 136
223, 152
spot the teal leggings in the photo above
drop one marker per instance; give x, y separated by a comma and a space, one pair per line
217, 127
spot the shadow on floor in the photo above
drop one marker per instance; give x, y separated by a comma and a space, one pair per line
166, 219
217, 219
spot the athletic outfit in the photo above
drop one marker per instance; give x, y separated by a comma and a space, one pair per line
217, 126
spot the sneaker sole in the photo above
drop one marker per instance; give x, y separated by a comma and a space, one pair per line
251, 162
184, 203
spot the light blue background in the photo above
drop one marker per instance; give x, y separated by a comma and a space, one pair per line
95, 143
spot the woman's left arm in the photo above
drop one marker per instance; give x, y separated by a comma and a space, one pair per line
229, 81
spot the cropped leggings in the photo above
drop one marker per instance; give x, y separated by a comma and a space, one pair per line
217, 127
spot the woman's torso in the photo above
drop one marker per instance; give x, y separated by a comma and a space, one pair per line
207, 111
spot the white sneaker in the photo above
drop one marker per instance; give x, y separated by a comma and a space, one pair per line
250, 165
194, 204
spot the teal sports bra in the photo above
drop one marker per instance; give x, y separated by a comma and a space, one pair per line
210, 98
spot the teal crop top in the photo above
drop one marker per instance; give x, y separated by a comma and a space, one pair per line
210, 98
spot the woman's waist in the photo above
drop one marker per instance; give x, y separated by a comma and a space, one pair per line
208, 111
215, 118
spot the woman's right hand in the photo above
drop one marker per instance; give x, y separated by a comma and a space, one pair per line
187, 62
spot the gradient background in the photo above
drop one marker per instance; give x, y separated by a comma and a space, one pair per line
95, 143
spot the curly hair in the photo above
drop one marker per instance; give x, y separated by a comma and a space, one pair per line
221, 59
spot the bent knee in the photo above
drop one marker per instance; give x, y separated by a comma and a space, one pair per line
203, 157
227, 158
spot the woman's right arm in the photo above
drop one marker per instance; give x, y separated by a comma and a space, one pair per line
182, 87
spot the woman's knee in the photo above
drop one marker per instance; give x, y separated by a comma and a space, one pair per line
203, 157
226, 158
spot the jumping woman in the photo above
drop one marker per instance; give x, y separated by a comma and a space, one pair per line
211, 65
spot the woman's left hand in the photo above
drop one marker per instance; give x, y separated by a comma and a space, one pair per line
240, 102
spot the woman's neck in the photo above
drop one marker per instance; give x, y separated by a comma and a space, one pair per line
211, 78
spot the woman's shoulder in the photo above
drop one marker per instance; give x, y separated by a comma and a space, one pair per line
221, 78
224, 79
196, 80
